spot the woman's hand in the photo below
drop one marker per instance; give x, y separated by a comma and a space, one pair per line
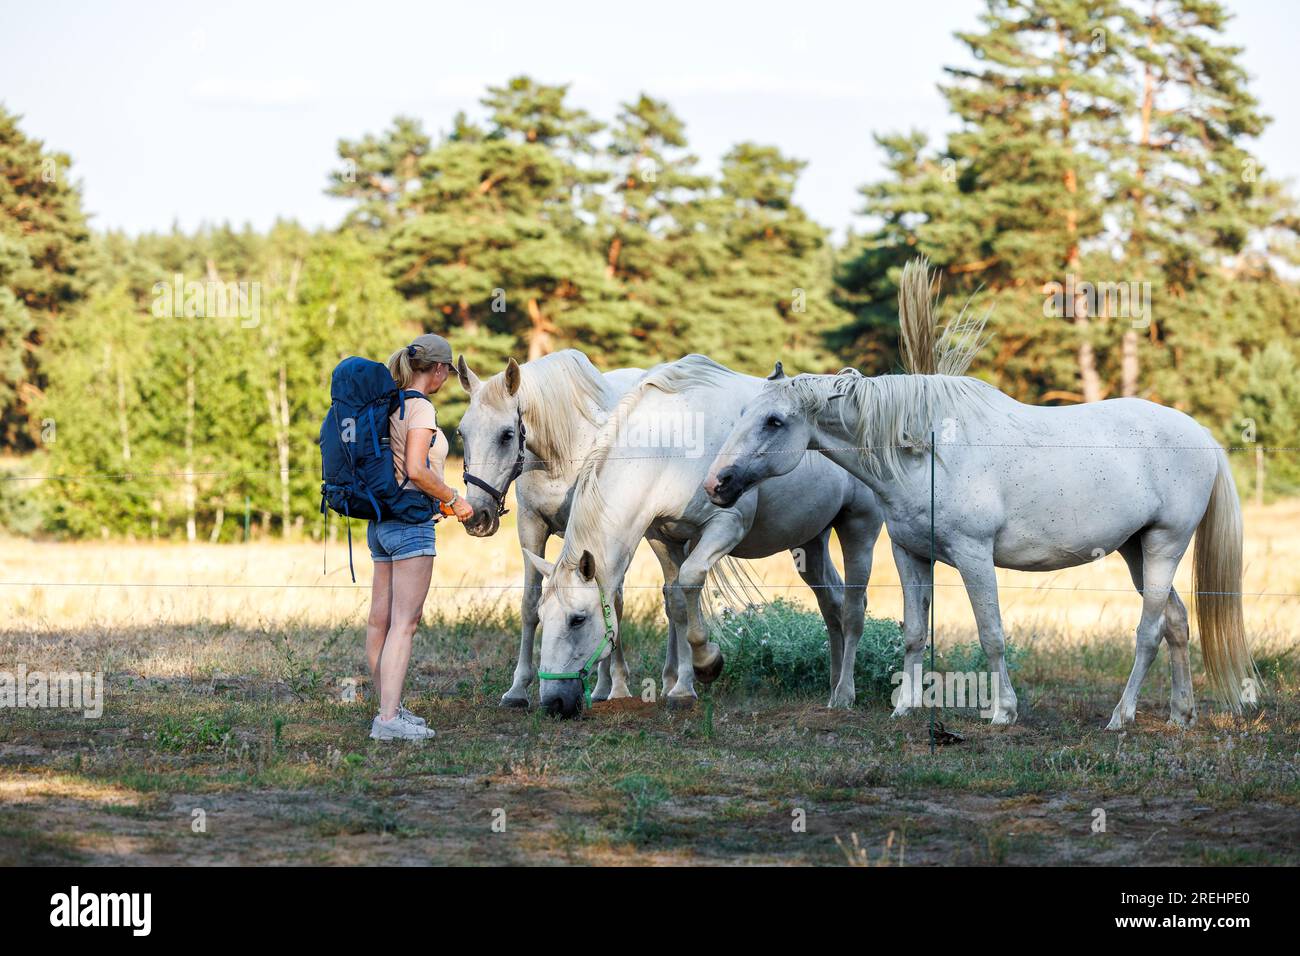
462, 509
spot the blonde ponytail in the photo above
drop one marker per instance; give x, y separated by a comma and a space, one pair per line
407, 362
399, 366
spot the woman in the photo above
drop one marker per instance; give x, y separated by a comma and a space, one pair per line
403, 552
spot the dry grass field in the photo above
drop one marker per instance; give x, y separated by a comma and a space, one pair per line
47, 585
223, 667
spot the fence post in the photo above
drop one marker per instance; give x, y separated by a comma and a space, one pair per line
1259, 474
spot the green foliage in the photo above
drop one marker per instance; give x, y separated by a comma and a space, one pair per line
780, 647
44, 263
1107, 141
186, 414
197, 734
642, 795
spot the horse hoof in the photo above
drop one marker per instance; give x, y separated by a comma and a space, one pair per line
681, 703
707, 675
514, 703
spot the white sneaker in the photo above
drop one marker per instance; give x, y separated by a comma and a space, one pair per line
409, 717
398, 729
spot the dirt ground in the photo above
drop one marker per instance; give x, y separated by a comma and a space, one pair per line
221, 746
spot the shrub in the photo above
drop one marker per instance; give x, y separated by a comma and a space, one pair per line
784, 648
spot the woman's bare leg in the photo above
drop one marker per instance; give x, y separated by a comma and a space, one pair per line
411, 578
381, 606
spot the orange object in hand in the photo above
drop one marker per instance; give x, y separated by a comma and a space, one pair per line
446, 509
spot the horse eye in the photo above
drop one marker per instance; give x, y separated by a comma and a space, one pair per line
577, 620
507, 435
774, 422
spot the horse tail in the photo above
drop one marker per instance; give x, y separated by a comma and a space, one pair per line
926, 351
916, 318
1216, 584
729, 584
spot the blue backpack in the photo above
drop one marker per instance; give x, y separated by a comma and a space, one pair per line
357, 478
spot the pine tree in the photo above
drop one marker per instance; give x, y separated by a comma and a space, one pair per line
378, 172
490, 244
662, 262
1102, 141
44, 259
776, 284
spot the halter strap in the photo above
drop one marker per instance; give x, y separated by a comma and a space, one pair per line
607, 641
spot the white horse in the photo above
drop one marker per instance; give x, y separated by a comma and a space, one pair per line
532, 425
1024, 487
642, 479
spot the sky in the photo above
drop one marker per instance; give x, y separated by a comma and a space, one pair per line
189, 113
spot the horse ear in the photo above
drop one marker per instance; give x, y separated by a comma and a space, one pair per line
587, 566
512, 377
468, 380
778, 372
544, 568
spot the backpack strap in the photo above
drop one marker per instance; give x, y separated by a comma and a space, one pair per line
402, 396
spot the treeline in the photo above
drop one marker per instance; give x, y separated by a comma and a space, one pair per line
1098, 195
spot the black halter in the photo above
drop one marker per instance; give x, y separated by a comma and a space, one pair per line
500, 496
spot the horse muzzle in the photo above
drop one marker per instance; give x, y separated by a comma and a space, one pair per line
724, 488
562, 698
485, 522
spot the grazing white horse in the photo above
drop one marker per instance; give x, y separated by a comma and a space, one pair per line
532, 425
1024, 487
642, 479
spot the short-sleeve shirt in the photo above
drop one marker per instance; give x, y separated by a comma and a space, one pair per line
419, 414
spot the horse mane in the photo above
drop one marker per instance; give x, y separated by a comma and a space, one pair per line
889, 413
588, 511
556, 391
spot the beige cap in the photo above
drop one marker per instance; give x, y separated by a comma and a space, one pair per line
433, 348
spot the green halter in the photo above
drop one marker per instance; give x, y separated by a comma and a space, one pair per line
608, 613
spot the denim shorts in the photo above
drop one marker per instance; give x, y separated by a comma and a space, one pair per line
397, 540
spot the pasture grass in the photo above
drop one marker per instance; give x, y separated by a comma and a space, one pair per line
248, 725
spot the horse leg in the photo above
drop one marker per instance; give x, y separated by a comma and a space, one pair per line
975, 563
618, 672
818, 572
603, 680
1160, 557
915, 577
857, 536
1182, 702
532, 535
722, 534
670, 559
